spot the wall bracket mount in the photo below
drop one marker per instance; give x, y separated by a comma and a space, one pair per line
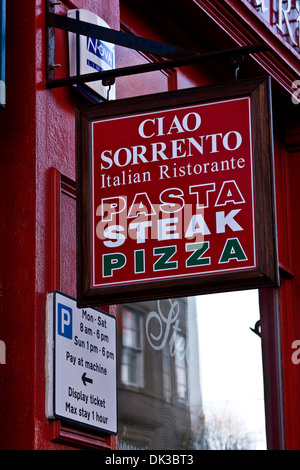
172, 56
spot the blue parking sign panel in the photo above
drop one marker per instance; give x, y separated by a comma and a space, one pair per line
64, 321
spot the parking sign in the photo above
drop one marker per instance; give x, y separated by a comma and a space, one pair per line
84, 364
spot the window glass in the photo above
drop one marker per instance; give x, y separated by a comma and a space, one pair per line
132, 362
190, 373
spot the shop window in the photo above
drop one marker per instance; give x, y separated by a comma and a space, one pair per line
203, 376
180, 369
132, 352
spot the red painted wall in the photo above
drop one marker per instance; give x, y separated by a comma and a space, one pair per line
290, 287
18, 147
37, 133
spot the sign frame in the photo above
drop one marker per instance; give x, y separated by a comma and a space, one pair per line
265, 273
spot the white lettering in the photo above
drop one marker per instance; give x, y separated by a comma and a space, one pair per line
141, 205
197, 225
156, 126
261, 3
166, 229
106, 159
197, 122
117, 158
173, 149
176, 147
237, 143
222, 220
164, 323
283, 17
140, 230
175, 125
296, 94
296, 354
141, 129
113, 233
170, 194
111, 206
213, 142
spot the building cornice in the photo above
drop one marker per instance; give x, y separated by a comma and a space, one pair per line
241, 23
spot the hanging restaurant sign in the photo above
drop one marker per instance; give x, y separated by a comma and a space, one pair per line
283, 17
175, 194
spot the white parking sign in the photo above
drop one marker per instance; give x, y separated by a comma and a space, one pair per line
84, 385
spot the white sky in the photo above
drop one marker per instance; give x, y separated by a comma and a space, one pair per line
230, 354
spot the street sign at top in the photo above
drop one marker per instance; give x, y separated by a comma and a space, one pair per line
175, 194
88, 55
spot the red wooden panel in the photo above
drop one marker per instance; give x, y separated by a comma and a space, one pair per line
63, 277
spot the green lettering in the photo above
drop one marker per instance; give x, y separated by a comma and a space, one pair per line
196, 257
232, 250
139, 258
163, 262
111, 262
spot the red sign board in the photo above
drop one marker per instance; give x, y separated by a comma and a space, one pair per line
168, 195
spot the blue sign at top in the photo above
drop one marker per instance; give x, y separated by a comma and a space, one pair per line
97, 47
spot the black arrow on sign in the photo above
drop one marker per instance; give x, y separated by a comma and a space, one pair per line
86, 379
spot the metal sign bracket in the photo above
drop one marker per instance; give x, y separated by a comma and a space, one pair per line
173, 56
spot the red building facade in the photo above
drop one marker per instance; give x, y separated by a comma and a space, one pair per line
38, 174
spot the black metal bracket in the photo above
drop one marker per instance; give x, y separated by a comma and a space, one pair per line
173, 56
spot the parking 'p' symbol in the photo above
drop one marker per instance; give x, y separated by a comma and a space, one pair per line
64, 320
